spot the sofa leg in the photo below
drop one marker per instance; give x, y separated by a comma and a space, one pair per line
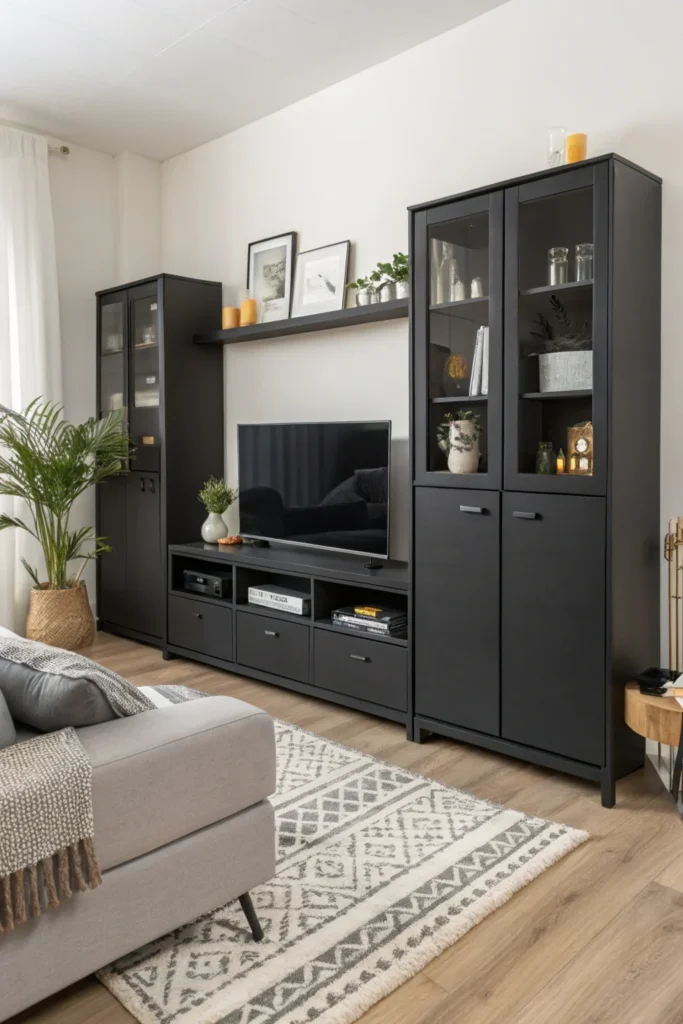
252, 919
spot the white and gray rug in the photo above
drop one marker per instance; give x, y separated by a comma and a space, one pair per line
379, 870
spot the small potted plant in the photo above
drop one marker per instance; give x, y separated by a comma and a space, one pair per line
458, 437
565, 361
216, 498
367, 288
396, 273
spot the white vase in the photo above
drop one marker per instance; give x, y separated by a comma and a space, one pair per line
402, 289
565, 371
463, 456
388, 291
213, 528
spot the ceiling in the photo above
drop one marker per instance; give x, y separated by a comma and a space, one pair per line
159, 77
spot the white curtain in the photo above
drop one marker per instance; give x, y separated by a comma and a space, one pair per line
30, 353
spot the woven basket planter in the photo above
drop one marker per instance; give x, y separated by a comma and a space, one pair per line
61, 618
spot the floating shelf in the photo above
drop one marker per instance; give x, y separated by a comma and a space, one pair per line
459, 399
353, 316
466, 309
542, 396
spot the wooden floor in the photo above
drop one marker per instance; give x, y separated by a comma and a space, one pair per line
597, 938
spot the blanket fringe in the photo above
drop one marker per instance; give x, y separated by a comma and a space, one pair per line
23, 893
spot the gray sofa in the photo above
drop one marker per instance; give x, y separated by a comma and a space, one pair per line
182, 826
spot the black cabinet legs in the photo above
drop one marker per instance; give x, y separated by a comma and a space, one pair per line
608, 789
252, 919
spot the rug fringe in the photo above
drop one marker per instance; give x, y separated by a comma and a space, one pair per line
23, 893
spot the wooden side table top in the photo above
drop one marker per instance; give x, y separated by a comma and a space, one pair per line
656, 718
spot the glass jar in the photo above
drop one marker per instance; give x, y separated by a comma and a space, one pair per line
556, 146
583, 261
545, 458
558, 265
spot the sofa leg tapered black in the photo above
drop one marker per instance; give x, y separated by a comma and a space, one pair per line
252, 919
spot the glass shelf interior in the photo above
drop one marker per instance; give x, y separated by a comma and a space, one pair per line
145, 368
555, 331
112, 365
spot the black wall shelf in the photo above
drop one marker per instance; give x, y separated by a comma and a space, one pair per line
354, 316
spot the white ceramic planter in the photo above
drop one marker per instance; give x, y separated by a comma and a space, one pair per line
388, 291
402, 289
463, 456
366, 298
565, 371
213, 528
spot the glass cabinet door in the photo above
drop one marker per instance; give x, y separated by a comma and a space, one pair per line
457, 322
113, 338
555, 333
145, 364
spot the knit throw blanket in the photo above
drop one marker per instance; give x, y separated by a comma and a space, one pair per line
46, 812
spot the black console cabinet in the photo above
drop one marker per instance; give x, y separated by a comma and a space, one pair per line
536, 597
305, 653
172, 391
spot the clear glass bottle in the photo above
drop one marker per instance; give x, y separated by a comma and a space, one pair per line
558, 265
583, 261
556, 146
545, 458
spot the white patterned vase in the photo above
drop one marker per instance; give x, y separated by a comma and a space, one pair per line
213, 528
463, 455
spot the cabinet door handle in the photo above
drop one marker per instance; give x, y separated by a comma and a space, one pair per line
359, 657
198, 615
152, 485
476, 510
271, 632
526, 515
142, 484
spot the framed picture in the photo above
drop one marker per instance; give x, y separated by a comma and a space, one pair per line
320, 281
270, 275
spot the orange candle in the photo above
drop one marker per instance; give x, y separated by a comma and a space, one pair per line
248, 312
576, 147
231, 317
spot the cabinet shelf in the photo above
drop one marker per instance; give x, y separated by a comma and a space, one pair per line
329, 625
458, 399
219, 602
272, 613
354, 316
466, 309
550, 289
544, 396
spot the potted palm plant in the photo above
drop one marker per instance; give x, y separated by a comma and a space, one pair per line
48, 463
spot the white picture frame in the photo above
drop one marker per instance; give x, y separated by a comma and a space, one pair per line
320, 279
270, 276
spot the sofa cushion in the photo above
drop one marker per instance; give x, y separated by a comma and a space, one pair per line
42, 696
163, 774
8, 733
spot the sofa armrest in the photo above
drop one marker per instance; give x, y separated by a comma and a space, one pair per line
163, 774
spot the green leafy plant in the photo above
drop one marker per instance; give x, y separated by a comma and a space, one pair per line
215, 496
370, 283
463, 441
565, 337
48, 463
398, 270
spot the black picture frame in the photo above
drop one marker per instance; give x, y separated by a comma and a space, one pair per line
320, 248
283, 236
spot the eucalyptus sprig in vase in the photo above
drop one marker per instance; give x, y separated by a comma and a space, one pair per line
216, 497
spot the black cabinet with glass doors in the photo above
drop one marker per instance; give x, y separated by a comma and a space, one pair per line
171, 391
535, 456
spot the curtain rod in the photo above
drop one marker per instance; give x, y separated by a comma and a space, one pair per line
55, 146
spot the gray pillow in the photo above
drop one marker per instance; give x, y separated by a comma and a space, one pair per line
8, 734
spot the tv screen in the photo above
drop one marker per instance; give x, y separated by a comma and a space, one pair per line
321, 484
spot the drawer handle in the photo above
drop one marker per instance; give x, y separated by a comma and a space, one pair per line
359, 657
526, 515
476, 510
198, 615
271, 632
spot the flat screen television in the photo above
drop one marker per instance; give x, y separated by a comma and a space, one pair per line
325, 485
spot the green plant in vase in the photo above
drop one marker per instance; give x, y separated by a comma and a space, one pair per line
565, 359
458, 437
367, 288
396, 275
216, 497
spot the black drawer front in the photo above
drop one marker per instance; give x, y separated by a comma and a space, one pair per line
368, 669
273, 645
200, 627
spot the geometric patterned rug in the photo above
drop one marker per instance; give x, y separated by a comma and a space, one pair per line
379, 870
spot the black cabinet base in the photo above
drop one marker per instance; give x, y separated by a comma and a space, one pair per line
129, 634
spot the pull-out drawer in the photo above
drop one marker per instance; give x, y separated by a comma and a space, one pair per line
368, 669
273, 645
200, 626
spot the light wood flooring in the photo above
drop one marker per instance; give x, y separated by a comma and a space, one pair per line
596, 939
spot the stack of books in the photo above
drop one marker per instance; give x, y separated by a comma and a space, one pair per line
372, 620
280, 598
479, 380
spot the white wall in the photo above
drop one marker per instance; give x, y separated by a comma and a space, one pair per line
84, 205
138, 237
470, 107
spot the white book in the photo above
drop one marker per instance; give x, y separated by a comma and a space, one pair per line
475, 376
485, 363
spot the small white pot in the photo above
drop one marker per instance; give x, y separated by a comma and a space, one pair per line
402, 289
214, 528
388, 291
364, 297
463, 456
565, 371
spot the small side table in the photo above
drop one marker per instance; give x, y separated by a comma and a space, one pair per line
659, 719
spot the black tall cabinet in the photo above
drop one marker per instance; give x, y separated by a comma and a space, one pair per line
172, 394
536, 596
